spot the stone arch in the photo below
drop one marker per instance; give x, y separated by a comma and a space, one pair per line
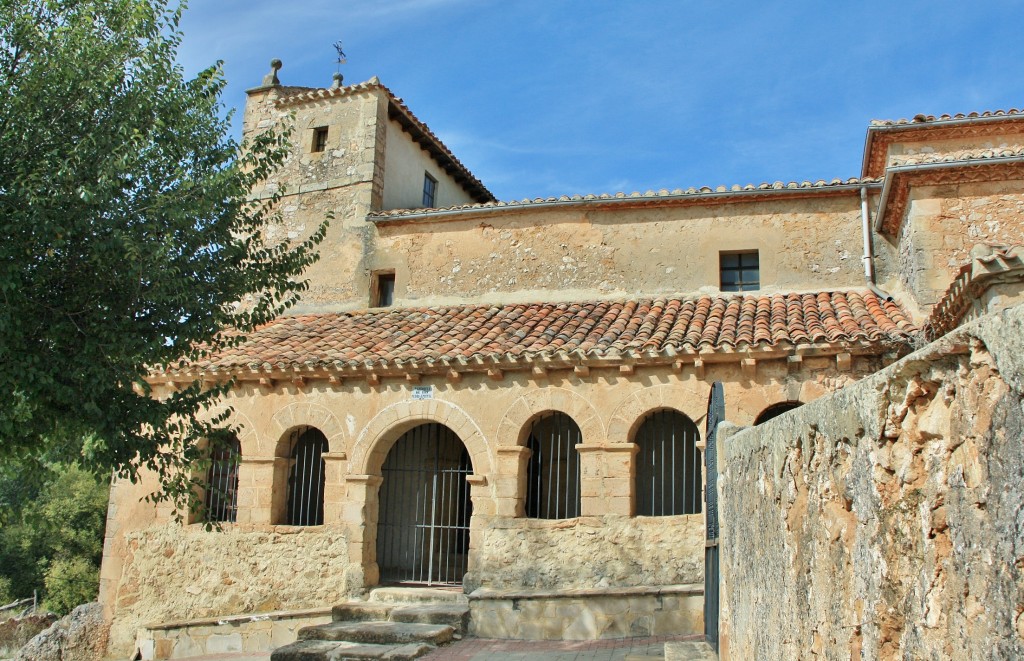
627, 417
375, 440
776, 409
303, 414
246, 430
515, 423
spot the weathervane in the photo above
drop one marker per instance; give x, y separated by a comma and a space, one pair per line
341, 55
342, 58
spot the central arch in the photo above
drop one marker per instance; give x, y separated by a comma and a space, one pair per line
425, 508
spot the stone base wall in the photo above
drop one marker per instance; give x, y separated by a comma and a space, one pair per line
584, 614
588, 552
239, 634
174, 573
883, 522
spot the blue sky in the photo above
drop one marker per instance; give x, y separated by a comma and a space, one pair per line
559, 97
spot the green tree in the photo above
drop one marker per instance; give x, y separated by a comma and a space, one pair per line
128, 237
53, 541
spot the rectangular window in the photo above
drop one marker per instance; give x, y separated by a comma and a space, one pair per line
429, 190
320, 139
740, 271
382, 289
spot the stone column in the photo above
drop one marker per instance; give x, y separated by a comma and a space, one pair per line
510, 481
262, 477
335, 466
359, 513
607, 473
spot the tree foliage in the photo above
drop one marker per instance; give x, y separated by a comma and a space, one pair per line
51, 538
129, 241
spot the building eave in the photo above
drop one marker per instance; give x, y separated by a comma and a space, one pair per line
691, 197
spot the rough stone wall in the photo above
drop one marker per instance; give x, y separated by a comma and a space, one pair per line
884, 521
176, 573
590, 552
945, 222
81, 635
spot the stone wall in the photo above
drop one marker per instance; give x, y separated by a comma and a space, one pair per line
884, 521
589, 552
943, 224
175, 573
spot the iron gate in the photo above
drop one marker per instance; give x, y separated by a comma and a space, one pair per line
716, 414
423, 524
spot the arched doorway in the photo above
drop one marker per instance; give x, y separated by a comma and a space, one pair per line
425, 508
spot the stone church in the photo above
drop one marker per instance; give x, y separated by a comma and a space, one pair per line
507, 400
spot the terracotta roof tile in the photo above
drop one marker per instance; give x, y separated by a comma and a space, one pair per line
924, 119
595, 329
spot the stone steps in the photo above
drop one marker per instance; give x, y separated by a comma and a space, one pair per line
323, 650
393, 623
385, 633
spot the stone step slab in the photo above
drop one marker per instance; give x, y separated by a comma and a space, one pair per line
362, 611
417, 595
380, 632
320, 650
454, 615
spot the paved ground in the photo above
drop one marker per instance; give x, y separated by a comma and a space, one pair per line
483, 649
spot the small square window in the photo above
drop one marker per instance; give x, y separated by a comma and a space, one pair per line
320, 139
739, 271
429, 190
382, 289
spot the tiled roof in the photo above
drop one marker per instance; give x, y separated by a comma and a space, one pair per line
304, 95
922, 119
652, 196
602, 329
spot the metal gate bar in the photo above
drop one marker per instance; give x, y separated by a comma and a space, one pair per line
222, 483
553, 473
306, 497
668, 465
425, 509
